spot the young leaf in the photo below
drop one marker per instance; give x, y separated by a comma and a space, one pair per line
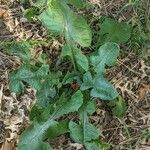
103, 89
32, 137
118, 107
59, 18
30, 13
107, 55
114, 31
27, 75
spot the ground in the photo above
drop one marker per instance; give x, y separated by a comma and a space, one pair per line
131, 77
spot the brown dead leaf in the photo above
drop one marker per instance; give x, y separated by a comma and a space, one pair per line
8, 146
143, 90
3, 12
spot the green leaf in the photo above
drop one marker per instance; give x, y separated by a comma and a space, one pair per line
70, 106
107, 55
70, 77
30, 13
15, 85
76, 132
39, 3
87, 81
118, 107
90, 132
77, 3
66, 51
76, 56
26, 74
48, 90
103, 89
97, 145
20, 49
91, 107
45, 94
32, 137
93, 146
114, 31
57, 129
58, 18
82, 61
35, 113
84, 132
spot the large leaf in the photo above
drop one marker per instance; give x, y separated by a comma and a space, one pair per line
107, 55
59, 18
26, 74
114, 31
103, 89
32, 138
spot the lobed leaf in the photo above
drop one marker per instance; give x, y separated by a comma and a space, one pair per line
103, 89
26, 74
32, 138
107, 55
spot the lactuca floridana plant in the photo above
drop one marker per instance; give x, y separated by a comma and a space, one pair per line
54, 96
